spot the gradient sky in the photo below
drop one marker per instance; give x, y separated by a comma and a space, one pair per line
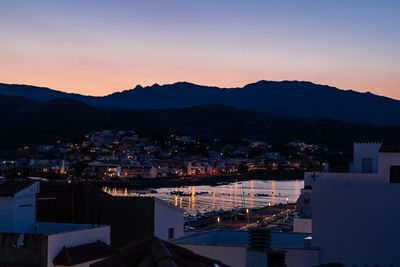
99, 47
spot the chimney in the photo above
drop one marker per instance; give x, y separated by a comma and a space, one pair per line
259, 252
259, 238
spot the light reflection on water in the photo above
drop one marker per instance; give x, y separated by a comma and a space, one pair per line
253, 194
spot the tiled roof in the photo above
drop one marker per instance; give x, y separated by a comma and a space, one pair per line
69, 256
155, 252
390, 147
10, 187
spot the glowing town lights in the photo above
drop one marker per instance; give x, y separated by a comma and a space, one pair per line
247, 211
218, 219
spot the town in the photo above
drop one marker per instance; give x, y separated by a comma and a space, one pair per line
59, 223
125, 155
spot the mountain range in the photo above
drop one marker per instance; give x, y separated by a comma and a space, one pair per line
26, 122
289, 98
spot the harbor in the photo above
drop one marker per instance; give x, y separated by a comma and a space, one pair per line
198, 200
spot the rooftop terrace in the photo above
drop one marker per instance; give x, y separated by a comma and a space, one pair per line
240, 238
49, 228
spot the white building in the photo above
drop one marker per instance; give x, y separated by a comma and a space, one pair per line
355, 215
168, 220
26, 242
365, 159
233, 248
17, 205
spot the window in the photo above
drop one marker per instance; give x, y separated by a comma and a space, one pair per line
170, 233
395, 174
366, 165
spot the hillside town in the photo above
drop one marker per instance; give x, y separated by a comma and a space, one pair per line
124, 155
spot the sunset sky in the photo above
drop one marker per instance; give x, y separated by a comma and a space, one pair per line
99, 47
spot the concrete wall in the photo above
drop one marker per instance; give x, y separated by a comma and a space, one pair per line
385, 161
301, 225
131, 218
167, 216
234, 256
356, 222
24, 214
18, 213
302, 257
6, 211
57, 241
365, 150
304, 203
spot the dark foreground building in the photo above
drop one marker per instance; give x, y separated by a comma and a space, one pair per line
154, 252
131, 218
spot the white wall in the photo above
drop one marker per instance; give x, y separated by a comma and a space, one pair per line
356, 222
24, 213
18, 213
234, 256
55, 242
6, 213
304, 203
385, 161
167, 216
301, 225
365, 150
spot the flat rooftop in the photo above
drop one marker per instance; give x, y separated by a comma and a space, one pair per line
241, 238
49, 228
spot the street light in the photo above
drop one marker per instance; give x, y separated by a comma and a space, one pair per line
248, 216
269, 208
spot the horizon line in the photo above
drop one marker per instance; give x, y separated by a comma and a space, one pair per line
202, 85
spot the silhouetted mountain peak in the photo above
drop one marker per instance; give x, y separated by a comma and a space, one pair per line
299, 98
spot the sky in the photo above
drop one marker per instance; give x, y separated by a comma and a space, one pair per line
98, 47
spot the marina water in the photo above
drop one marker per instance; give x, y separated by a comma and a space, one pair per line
244, 194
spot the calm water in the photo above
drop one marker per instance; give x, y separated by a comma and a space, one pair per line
248, 194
